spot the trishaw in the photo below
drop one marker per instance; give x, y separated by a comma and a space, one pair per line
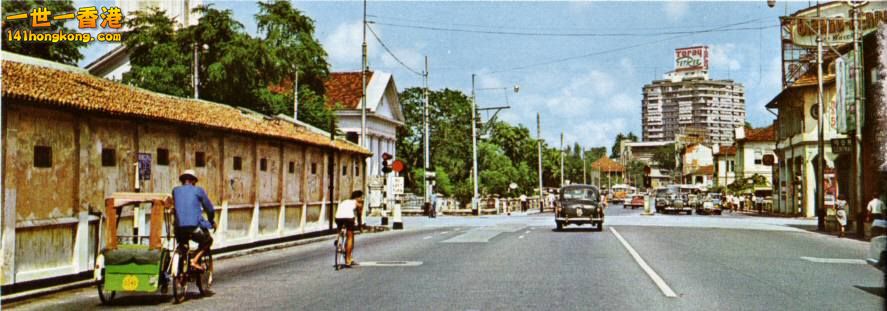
127, 265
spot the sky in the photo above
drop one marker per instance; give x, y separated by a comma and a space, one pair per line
580, 65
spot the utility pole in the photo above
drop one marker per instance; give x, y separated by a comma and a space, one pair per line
363, 100
539, 143
474, 206
562, 159
195, 81
858, 102
296, 93
425, 135
820, 193
584, 168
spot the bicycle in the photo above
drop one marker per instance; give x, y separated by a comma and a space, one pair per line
339, 245
182, 273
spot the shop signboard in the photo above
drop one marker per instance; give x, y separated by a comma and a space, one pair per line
834, 21
691, 58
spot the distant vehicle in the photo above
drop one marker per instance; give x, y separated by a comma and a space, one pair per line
636, 201
877, 256
711, 204
579, 204
672, 199
620, 193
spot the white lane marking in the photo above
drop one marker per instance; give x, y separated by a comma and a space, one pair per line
425, 238
520, 237
528, 231
834, 260
445, 232
652, 274
390, 263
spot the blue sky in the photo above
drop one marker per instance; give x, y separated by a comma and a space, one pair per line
592, 95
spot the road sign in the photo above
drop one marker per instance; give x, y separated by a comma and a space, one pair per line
397, 186
376, 182
398, 166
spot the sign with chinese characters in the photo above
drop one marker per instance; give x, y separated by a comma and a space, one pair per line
834, 21
691, 58
845, 77
40, 24
842, 145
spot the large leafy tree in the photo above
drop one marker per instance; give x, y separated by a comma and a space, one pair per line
67, 52
664, 157
234, 67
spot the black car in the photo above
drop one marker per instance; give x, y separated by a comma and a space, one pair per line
579, 204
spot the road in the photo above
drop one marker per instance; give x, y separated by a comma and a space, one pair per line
520, 262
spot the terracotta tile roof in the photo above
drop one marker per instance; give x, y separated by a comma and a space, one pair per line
93, 94
708, 170
606, 165
345, 89
761, 134
727, 150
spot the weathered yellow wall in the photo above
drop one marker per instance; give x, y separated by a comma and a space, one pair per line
41, 193
44, 247
269, 179
316, 157
163, 177
293, 185
208, 142
120, 136
239, 183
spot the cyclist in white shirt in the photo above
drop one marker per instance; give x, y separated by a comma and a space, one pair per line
345, 216
876, 214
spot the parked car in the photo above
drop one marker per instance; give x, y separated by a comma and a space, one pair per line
711, 204
670, 199
636, 201
578, 205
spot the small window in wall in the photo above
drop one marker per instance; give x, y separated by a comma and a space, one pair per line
344, 170
353, 137
356, 168
292, 167
263, 164
313, 168
759, 157
200, 159
42, 156
162, 156
109, 157
238, 163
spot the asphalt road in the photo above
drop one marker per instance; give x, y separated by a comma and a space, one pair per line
521, 262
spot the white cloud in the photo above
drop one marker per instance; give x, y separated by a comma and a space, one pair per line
725, 57
343, 45
675, 10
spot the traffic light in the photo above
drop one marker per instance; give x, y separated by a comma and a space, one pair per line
386, 167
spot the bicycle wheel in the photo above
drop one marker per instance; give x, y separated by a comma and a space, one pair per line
205, 278
180, 278
340, 250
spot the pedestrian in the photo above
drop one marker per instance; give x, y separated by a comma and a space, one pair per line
841, 214
523, 202
551, 200
876, 215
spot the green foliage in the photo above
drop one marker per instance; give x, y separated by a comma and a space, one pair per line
234, 67
66, 52
615, 151
664, 157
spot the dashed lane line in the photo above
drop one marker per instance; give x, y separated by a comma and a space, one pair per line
652, 274
835, 260
427, 237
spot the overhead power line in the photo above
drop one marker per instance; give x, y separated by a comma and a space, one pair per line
392, 53
622, 48
724, 28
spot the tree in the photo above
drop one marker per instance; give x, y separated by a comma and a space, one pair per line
664, 157
66, 52
615, 150
234, 67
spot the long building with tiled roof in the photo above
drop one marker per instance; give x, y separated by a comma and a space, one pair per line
71, 140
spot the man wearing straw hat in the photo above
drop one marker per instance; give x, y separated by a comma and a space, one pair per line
191, 201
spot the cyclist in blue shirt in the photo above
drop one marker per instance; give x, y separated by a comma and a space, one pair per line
190, 203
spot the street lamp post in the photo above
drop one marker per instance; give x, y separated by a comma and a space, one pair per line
858, 101
539, 144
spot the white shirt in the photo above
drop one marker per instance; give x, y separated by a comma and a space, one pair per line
346, 209
876, 206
